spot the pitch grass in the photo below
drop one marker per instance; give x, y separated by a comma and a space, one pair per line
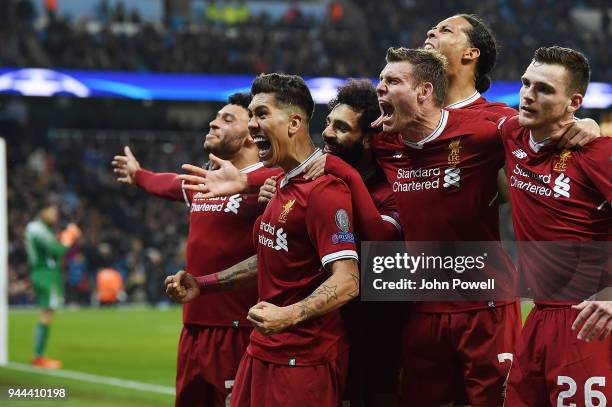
132, 344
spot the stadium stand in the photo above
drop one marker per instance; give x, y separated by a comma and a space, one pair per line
348, 41
144, 238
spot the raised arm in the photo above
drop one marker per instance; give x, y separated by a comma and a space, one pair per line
163, 185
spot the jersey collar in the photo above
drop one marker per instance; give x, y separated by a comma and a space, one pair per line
465, 102
251, 168
300, 168
436, 133
536, 146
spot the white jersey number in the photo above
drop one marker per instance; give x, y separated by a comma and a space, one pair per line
590, 396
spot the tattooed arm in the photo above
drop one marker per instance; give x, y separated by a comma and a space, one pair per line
183, 287
341, 287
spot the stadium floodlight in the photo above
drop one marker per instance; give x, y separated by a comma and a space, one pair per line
3, 258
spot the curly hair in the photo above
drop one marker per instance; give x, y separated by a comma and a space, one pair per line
359, 95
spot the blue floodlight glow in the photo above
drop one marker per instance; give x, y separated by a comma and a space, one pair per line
205, 87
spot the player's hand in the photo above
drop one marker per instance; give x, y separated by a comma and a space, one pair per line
595, 318
267, 190
316, 168
125, 166
70, 235
576, 134
182, 287
269, 319
225, 180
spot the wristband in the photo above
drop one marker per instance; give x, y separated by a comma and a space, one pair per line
207, 280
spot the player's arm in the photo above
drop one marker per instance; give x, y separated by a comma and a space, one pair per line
341, 287
183, 287
225, 179
163, 185
369, 224
577, 133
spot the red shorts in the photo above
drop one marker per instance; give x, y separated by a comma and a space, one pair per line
208, 358
461, 357
554, 368
263, 384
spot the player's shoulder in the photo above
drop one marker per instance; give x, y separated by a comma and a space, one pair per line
387, 141
601, 147
475, 120
260, 169
326, 183
35, 227
496, 108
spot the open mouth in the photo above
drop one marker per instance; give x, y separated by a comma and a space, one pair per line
527, 110
428, 45
263, 144
386, 110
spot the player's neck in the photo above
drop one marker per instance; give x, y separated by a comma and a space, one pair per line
424, 124
298, 152
244, 158
460, 87
545, 132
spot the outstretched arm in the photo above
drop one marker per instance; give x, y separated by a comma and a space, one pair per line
183, 287
163, 185
341, 287
225, 180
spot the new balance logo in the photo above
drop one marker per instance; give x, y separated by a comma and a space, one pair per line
452, 177
520, 154
397, 155
233, 204
562, 186
281, 240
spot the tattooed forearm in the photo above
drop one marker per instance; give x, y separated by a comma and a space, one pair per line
338, 289
355, 286
240, 275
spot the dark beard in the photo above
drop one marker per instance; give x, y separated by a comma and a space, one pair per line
349, 154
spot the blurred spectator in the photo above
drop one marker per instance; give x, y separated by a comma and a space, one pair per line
109, 285
349, 40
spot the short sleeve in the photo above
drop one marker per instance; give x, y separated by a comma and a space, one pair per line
329, 220
597, 164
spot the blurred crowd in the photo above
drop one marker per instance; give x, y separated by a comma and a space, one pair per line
123, 228
349, 40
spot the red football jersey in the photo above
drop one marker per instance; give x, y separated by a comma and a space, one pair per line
305, 227
384, 201
219, 237
559, 196
446, 188
477, 102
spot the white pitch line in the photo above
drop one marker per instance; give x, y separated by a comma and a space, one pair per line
86, 377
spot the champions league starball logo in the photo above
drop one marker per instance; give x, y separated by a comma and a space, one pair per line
42, 82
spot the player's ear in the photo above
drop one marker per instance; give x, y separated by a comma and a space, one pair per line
575, 103
425, 91
295, 123
471, 54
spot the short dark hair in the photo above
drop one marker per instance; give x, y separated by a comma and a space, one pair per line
574, 62
241, 99
481, 37
288, 90
429, 66
359, 95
